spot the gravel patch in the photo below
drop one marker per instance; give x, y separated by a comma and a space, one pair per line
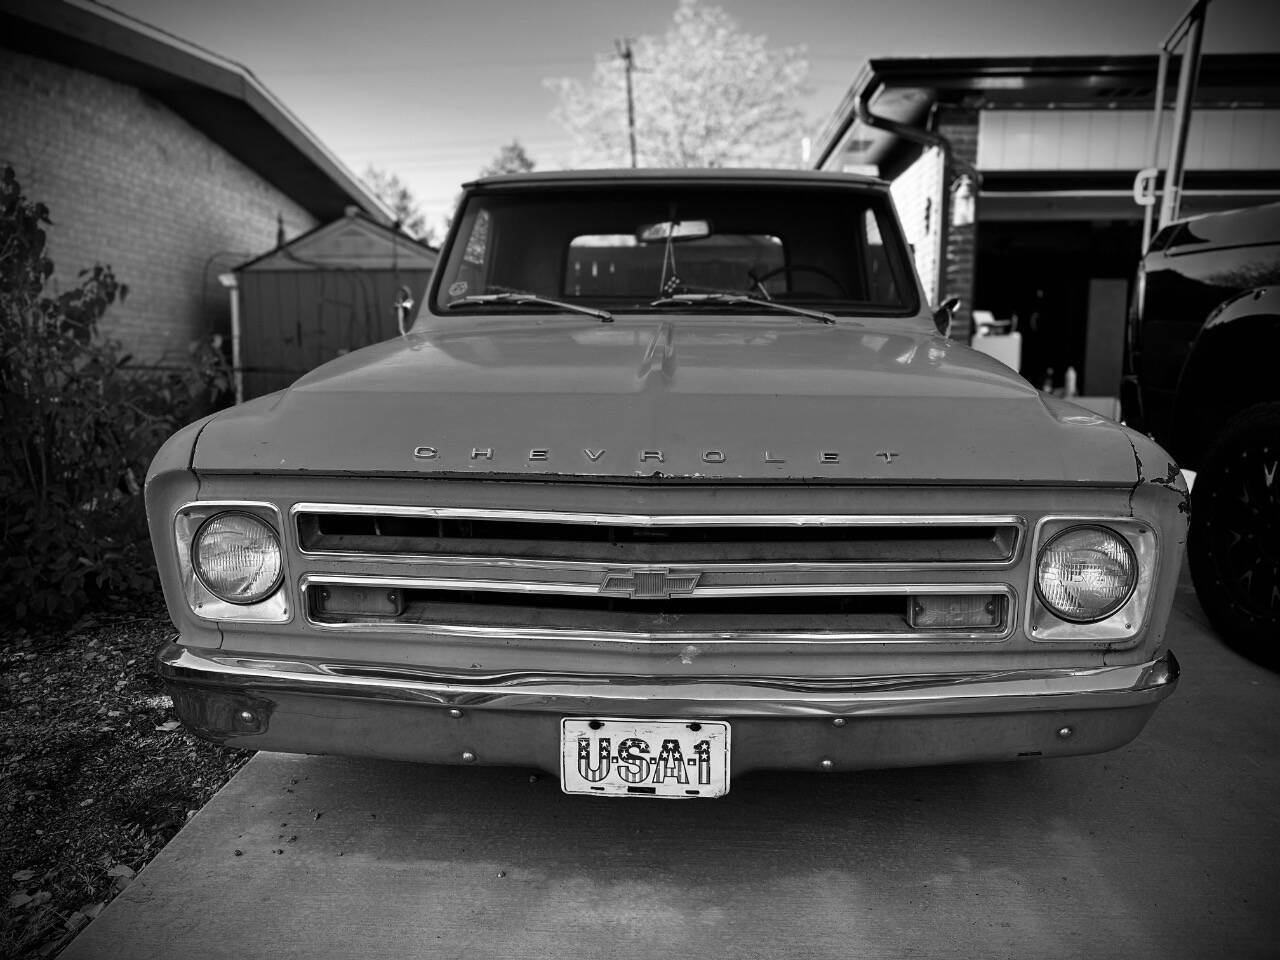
96, 772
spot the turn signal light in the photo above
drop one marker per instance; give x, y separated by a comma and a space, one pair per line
335, 599
950, 611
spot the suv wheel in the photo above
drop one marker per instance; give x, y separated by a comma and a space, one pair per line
1234, 541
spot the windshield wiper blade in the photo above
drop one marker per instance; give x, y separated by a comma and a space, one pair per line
518, 299
733, 299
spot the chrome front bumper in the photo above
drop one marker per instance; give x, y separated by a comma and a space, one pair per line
851, 723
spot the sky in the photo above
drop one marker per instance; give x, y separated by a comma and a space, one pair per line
430, 90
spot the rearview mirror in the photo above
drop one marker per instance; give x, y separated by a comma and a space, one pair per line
673, 230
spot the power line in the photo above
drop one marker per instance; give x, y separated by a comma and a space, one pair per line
436, 138
418, 69
430, 159
444, 149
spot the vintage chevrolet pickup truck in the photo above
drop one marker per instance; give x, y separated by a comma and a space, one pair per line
674, 476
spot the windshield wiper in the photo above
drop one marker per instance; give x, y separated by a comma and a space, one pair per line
528, 298
733, 299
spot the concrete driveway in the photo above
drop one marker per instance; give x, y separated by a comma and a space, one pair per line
1167, 848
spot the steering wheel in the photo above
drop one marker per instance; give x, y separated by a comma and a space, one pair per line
757, 282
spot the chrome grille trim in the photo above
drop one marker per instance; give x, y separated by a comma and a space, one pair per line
673, 521
591, 589
667, 520
598, 566
823, 637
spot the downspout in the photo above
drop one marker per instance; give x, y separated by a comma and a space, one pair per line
229, 280
928, 138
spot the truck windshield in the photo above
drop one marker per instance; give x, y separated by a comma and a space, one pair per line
835, 249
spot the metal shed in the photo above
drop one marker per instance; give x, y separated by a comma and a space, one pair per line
325, 293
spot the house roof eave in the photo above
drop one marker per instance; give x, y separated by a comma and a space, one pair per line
221, 98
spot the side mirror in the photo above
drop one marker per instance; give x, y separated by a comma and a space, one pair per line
403, 304
945, 315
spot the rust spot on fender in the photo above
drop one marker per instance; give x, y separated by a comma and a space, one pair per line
1169, 481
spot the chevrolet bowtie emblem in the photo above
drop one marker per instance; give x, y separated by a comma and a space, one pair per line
648, 584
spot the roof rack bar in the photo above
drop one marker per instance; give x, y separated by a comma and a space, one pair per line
1188, 72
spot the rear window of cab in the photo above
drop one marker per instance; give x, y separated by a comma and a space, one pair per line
835, 249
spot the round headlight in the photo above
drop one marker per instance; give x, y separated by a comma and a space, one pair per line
1085, 574
237, 557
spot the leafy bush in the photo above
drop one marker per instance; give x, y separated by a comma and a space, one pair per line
78, 427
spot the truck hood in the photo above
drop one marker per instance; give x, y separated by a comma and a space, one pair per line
708, 397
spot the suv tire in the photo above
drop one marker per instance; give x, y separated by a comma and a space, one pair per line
1234, 540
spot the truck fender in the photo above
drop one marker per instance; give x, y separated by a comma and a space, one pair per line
1231, 365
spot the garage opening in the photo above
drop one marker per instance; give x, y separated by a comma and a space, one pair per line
1066, 285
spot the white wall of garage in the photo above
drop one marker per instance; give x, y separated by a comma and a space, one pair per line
917, 193
1240, 139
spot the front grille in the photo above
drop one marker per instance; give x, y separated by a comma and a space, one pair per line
507, 534
511, 573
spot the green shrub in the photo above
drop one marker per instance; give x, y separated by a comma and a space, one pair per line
78, 427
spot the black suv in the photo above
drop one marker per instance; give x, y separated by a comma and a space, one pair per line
1201, 377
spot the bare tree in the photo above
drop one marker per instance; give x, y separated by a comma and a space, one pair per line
391, 191
511, 158
706, 95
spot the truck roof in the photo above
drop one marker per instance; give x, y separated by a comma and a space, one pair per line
678, 175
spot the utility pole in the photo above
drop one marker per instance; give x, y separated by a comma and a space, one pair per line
628, 62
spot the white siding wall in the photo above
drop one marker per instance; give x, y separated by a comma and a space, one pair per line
917, 193
1117, 139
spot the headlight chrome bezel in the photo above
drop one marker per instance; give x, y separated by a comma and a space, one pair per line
188, 522
1056, 610
1126, 622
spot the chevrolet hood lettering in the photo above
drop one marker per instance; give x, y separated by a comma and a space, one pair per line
750, 399
706, 456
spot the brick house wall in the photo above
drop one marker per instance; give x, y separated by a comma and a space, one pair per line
960, 126
131, 184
